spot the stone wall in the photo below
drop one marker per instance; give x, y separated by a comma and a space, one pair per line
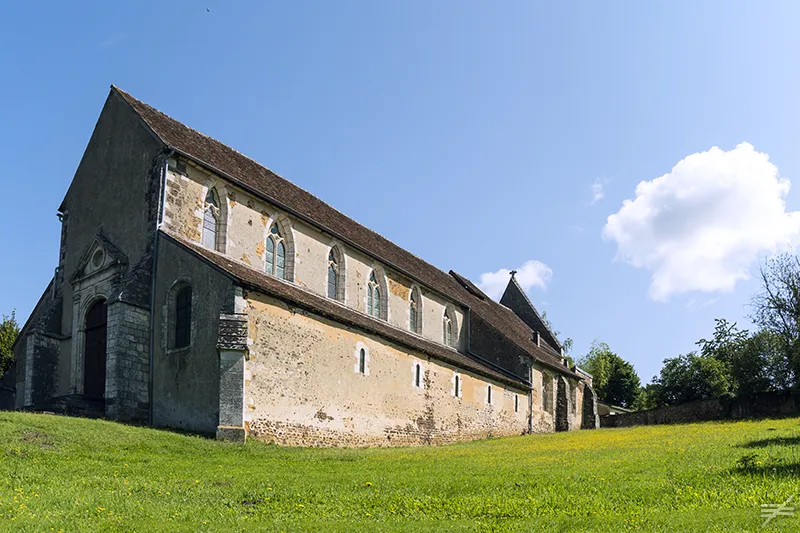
115, 189
186, 380
589, 417
127, 370
766, 404
303, 387
246, 219
8, 386
41, 369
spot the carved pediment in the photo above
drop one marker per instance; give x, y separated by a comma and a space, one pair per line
99, 256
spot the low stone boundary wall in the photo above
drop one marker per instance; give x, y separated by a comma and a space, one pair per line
8, 384
762, 405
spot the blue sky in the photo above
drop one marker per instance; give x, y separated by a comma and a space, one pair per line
480, 136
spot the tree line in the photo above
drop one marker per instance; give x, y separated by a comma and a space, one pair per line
733, 361
9, 329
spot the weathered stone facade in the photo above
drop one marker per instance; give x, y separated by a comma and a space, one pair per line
128, 370
304, 388
197, 290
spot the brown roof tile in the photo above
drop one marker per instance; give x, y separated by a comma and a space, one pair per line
261, 282
264, 183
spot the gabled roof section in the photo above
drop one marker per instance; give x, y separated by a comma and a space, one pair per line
264, 183
256, 280
515, 299
471, 287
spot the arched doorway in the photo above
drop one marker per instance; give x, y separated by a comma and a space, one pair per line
94, 353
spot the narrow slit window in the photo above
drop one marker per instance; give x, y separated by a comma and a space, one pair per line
457, 388
373, 297
516, 403
412, 312
211, 220
447, 330
417, 375
362, 361
270, 258
333, 276
275, 256
280, 267
489, 395
183, 317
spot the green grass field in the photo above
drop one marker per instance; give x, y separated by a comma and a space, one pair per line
67, 474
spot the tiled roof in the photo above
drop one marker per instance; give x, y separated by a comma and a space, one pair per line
270, 285
535, 320
264, 183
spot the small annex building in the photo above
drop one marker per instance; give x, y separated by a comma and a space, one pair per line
196, 289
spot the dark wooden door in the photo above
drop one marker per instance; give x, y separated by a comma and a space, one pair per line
94, 359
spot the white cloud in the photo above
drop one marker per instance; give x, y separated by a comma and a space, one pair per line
532, 274
598, 191
701, 226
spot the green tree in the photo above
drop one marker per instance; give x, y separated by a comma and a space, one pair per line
9, 329
763, 365
613, 378
755, 363
777, 307
647, 398
691, 377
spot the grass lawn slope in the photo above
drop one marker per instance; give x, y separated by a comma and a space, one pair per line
67, 474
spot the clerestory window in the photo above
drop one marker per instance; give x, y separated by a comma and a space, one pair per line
276, 253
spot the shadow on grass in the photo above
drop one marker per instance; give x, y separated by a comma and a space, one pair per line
774, 469
774, 441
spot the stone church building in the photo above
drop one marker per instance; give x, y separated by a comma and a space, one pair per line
196, 289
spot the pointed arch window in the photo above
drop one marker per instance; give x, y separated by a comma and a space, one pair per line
211, 220
333, 273
373, 296
414, 315
450, 327
276, 253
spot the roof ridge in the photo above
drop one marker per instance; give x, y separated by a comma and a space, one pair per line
263, 183
538, 315
128, 96
198, 132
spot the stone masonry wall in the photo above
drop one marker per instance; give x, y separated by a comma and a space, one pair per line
8, 386
41, 369
246, 221
765, 404
127, 370
303, 387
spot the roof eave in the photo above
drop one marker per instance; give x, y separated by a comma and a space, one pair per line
511, 380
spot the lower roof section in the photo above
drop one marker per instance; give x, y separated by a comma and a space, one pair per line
255, 280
